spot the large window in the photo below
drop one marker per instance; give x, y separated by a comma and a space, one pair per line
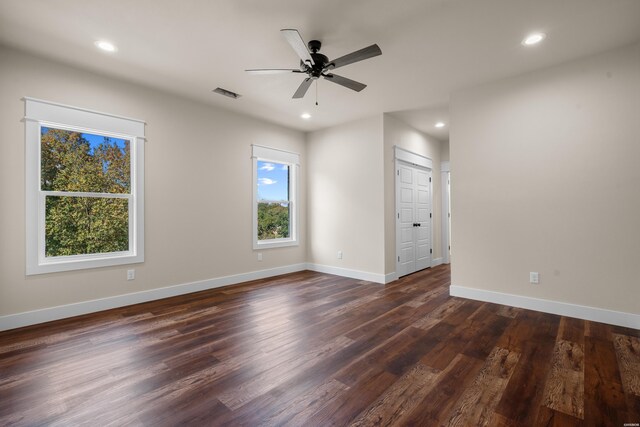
274, 193
84, 188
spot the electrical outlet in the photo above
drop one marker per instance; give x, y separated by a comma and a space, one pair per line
534, 278
259, 256
131, 274
339, 254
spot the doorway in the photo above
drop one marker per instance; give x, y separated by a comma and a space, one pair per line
414, 218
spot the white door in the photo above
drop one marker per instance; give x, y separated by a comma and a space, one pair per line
413, 192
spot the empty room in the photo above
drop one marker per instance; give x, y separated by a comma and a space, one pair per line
320, 213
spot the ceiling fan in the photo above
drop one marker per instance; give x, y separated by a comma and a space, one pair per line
316, 65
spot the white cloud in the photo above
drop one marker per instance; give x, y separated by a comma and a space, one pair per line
285, 167
267, 167
266, 181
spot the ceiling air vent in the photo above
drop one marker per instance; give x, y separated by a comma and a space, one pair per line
227, 93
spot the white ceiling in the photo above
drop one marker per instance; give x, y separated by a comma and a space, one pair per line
430, 47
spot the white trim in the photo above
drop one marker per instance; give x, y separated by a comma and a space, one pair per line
40, 113
274, 243
445, 166
42, 101
276, 155
19, 320
411, 157
594, 314
390, 277
436, 262
87, 194
354, 274
56, 113
445, 176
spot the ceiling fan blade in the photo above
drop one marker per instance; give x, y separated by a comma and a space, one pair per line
358, 55
343, 81
296, 42
273, 71
302, 89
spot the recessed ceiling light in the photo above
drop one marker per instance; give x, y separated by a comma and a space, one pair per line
533, 38
305, 116
440, 125
106, 46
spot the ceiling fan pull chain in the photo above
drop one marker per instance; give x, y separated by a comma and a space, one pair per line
316, 92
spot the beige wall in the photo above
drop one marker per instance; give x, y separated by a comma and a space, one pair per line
353, 165
545, 177
404, 136
444, 154
345, 196
198, 186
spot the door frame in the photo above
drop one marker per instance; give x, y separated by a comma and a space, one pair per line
445, 173
416, 160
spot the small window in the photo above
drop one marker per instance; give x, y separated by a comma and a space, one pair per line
84, 189
275, 205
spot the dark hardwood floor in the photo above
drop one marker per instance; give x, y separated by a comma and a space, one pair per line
317, 350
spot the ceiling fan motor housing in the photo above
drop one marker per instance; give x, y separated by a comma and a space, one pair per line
314, 45
320, 60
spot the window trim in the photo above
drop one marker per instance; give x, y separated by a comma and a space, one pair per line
40, 113
267, 154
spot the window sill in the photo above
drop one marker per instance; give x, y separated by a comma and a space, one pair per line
77, 263
266, 244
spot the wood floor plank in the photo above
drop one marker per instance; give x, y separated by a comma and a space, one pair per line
298, 410
605, 403
475, 337
438, 314
400, 398
551, 418
436, 407
287, 368
343, 408
523, 395
564, 391
392, 351
313, 349
476, 406
506, 311
572, 330
628, 353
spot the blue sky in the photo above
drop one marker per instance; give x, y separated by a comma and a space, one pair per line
273, 181
94, 140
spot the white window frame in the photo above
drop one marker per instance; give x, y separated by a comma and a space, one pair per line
260, 153
39, 113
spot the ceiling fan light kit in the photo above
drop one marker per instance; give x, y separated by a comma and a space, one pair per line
316, 65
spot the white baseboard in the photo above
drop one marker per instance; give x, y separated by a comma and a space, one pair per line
388, 278
436, 261
19, 320
594, 314
346, 272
